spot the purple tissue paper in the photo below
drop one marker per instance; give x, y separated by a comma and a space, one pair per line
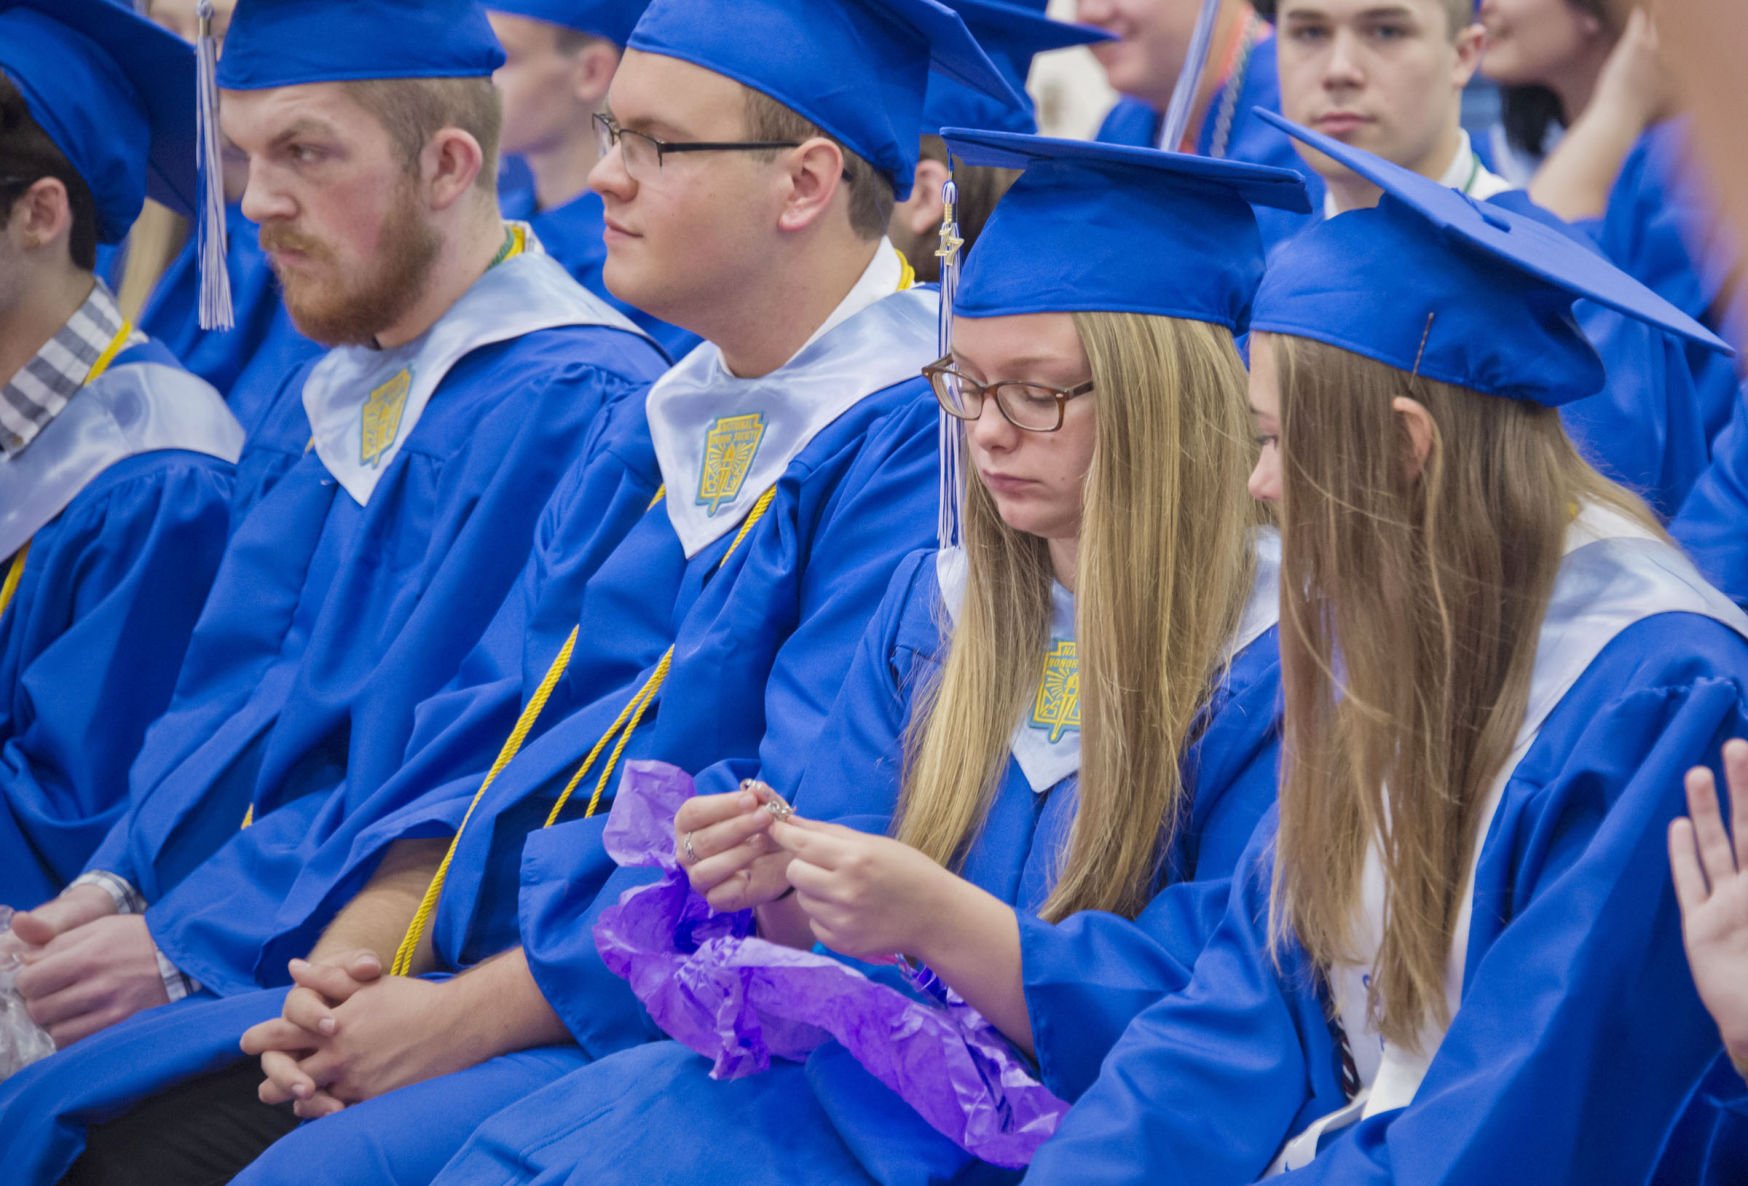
711, 983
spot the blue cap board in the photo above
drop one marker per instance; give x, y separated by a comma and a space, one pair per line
1498, 287
1112, 228
1012, 34
857, 68
612, 19
275, 43
116, 95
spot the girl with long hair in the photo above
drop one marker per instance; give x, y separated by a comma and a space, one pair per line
1060, 731
1454, 956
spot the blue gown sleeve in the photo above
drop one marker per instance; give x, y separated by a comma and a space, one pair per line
1713, 523
1726, 1162
1208, 1084
93, 641
1087, 977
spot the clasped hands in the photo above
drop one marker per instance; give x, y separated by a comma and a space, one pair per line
868, 897
84, 966
348, 1033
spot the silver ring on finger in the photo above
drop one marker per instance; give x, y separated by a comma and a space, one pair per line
691, 853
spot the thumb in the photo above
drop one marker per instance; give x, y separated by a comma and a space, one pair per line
364, 965
33, 929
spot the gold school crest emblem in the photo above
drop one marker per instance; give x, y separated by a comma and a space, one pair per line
382, 417
729, 448
1057, 707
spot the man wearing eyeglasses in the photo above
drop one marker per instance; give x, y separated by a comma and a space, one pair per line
780, 472
559, 58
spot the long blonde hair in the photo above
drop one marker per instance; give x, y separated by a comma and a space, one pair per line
1164, 570
1411, 606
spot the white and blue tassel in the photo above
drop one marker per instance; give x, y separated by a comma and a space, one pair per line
215, 277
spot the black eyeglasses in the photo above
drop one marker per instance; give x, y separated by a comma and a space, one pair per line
1034, 407
642, 152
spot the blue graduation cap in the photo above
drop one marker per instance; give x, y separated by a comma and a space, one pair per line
857, 68
612, 19
1012, 34
116, 95
1432, 282
1113, 228
274, 43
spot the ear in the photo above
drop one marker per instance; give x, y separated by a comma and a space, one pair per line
42, 215
449, 166
592, 72
1417, 425
1471, 44
921, 213
816, 175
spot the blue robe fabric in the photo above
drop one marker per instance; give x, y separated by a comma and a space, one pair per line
1134, 122
330, 622
246, 362
1662, 227
829, 1120
90, 648
1726, 1155
1713, 522
1646, 428
1575, 975
785, 615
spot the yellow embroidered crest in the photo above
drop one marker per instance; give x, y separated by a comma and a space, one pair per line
382, 417
1057, 707
729, 448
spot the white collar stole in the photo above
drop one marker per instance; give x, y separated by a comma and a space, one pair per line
131, 409
722, 440
1046, 743
364, 403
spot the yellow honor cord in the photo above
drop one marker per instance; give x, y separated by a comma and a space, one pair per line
14, 574
632, 713
15, 570
109, 352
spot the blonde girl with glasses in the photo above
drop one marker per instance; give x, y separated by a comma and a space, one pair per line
1059, 732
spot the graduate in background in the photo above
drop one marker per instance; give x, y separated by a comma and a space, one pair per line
116, 465
773, 481
1240, 75
1425, 946
559, 58
1067, 724
389, 497
1012, 35
1391, 83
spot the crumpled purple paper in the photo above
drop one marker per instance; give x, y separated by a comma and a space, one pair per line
736, 999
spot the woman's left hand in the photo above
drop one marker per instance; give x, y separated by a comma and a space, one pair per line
868, 897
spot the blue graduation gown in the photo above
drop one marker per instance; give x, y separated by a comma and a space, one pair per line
331, 621
296, 866
1662, 227
1646, 428
1250, 139
1209, 1083
1713, 523
572, 234
784, 614
661, 1116
90, 647
1726, 1154
246, 362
